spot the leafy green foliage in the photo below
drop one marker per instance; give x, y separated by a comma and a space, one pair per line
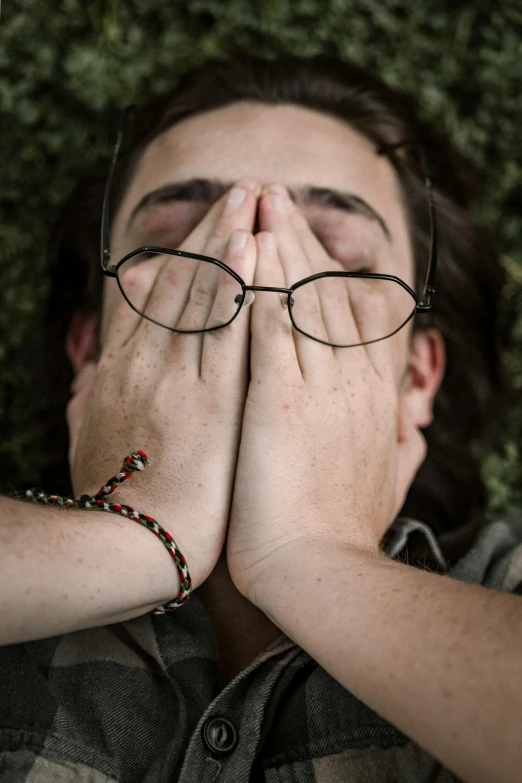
66, 68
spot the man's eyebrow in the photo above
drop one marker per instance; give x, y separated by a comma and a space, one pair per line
209, 190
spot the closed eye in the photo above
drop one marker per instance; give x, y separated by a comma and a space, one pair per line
346, 238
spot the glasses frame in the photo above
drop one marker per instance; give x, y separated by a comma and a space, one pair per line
421, 305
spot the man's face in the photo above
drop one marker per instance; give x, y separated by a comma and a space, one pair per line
290, 145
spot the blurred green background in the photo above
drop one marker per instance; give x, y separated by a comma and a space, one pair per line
67, 67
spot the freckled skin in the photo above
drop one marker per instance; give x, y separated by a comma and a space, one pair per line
293, 146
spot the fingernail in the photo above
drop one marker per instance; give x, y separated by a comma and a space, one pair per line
279, 203
238, 240
278, 197
236, 197
249, 184
268, 241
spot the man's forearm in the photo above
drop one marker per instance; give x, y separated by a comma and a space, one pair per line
62, 570
438, 658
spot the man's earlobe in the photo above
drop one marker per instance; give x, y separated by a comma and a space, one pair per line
426, 367
81, 341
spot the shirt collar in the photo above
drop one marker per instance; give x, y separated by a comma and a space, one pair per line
401, 535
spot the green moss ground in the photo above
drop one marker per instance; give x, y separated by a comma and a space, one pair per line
66, 66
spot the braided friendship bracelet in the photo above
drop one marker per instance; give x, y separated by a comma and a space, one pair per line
138, 460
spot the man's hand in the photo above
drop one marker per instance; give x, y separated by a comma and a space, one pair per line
179, 397
327, 453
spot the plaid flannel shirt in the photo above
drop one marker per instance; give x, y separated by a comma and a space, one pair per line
138, 702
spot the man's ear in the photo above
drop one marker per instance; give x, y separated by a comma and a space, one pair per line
81, 341
426, 365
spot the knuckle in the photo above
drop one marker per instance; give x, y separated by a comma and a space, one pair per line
217, 244
201, 294
371, 294
220, 334
306, 304
179, 349
178, 269
131, 277
139, 277
280, 325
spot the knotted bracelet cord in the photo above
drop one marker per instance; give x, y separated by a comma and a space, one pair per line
136, 461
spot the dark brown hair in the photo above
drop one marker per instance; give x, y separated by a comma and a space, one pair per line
448, 493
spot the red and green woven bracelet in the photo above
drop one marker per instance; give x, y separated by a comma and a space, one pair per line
138, 460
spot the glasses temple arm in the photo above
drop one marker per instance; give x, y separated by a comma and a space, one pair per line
429, 287
105, 247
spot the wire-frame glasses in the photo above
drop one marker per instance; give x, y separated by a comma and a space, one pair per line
214, 306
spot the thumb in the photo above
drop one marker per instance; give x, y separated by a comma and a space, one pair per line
411, 453
77, 405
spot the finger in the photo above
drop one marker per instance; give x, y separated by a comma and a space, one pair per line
142, 278
225, 351
211, 234
272, 345
305, 303
356, 311
371, 308
204, 308
334, 294
411, 453
77, 405
124, 320
238, 214
183, 297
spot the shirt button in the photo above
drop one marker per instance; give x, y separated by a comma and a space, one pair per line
220, 735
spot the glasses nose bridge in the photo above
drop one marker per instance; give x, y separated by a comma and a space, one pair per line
251, 289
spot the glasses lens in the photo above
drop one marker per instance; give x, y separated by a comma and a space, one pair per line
348, 311
183, 294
